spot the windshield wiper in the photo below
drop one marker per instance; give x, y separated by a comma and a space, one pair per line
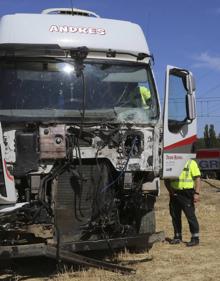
112, 54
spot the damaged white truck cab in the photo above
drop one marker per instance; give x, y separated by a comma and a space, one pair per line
83, 142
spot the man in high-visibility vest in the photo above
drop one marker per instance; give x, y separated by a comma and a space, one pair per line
141, 97
184, 193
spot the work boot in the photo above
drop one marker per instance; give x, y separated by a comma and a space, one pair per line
175, 240
193, 242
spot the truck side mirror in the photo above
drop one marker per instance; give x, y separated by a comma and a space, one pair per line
190, 102
190, 83
191, 107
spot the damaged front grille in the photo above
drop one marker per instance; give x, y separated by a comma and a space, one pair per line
80, 198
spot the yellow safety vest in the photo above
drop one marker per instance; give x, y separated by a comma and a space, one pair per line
186, 178
144, 94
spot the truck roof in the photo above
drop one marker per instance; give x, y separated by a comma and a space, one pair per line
73, 31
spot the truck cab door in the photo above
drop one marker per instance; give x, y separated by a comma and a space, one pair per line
179, 121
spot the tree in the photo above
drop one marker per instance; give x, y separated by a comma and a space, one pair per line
210, 138
206, 136
200, 143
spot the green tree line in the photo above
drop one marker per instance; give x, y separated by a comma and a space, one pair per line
210, 139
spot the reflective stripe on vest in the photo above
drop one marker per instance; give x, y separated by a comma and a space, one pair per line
185, 180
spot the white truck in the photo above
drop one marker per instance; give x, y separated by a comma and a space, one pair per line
83, 141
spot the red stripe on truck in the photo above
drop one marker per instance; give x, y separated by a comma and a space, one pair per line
184, 142
9, 176
208, 153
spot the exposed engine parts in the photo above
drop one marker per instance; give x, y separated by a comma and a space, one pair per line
34, 147
27, 154
61, 171
78, 190
52, 142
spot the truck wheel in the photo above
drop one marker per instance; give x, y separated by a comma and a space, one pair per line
148, 223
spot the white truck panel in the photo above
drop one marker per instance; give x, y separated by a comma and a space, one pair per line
73, 31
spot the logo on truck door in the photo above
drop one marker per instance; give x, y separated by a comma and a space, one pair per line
74, 29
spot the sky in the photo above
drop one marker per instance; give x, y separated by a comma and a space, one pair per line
179, 33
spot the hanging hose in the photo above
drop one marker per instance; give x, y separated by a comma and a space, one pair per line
47, 178
123, 170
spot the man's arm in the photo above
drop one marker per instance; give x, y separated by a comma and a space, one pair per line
168, 186
197, 189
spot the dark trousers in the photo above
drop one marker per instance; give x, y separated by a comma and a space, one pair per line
183, 201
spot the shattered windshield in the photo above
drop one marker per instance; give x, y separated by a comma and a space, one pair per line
53, 88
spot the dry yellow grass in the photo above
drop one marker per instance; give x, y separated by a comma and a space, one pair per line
173, 263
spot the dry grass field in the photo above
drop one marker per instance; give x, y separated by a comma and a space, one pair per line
169, 262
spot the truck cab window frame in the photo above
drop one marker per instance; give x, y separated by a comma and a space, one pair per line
177, 102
